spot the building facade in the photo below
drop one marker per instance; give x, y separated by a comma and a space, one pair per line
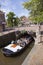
2, 21
25, 21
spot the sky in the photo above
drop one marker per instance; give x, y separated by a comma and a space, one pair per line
14, 6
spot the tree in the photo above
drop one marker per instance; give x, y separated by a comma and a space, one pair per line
36, 10
22, 17
16, 22
10, 18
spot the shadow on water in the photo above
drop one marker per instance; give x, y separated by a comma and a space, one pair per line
16, 60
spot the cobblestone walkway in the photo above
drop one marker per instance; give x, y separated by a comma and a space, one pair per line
36, 56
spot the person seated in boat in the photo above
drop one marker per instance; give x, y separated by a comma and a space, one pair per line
19, 41
24, 40
23, 44
12, 41
28, 39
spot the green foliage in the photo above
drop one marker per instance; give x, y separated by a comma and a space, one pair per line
16, 22
36, 10
22, 17
23, 31
12, 20
10, 17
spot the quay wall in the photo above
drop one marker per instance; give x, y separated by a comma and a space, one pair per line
5, 37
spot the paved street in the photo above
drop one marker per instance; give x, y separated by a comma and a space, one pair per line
36, 56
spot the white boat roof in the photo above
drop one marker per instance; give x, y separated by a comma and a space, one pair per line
12, 48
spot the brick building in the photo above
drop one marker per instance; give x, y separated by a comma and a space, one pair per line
2, 21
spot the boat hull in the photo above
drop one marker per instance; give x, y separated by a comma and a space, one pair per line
10, 53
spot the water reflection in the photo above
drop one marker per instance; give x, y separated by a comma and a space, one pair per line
16, 60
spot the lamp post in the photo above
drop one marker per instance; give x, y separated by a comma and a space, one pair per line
13, 22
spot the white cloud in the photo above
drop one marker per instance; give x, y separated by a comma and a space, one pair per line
4, 2
7, 5
5, 10
13, 5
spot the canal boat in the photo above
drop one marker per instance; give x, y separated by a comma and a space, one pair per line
18, 45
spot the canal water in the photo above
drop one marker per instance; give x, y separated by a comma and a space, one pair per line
16, 60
